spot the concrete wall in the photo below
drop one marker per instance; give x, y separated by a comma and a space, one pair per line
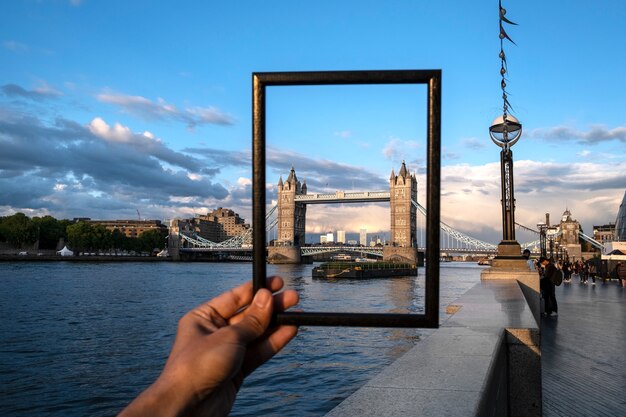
483, 361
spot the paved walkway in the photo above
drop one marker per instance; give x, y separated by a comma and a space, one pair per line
584, 351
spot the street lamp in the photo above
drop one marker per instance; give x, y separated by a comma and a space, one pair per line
542, 237
505, 131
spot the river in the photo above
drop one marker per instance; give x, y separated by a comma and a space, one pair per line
83, 339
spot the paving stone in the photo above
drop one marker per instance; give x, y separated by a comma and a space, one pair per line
584, 352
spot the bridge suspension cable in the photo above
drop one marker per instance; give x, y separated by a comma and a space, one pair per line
468, 241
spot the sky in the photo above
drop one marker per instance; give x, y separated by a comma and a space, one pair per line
119, 110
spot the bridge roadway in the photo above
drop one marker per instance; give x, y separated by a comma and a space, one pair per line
584, 351
316, 250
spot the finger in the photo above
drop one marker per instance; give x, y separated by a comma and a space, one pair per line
282, 301
261, 351
255, 319
285, 300
230, 302
275, 283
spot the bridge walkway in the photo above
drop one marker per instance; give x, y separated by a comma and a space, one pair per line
584, 351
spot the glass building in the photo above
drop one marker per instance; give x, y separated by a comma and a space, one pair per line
620, 222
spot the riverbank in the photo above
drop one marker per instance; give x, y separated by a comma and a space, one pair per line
87, 258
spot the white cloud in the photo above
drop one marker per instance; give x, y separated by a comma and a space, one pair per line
244, 181
161, 110
117, 133
396, 149
471, 197
596, 134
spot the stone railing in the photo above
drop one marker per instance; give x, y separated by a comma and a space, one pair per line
483, 361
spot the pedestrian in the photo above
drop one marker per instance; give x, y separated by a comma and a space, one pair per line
593, 271
547, 273
584, 275
567, 271
620, 271
530, 262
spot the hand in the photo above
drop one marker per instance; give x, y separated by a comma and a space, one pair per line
217, 344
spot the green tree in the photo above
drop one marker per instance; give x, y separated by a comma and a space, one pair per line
80, 236
49, 231
18, 230
152, 239
118, 239
101, 237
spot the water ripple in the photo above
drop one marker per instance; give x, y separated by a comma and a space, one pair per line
84, 339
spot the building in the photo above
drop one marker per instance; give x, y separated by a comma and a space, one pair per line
341, 236
620, 222
363, 237
291, 228
130, 228
563, 238
225, 224
217, 226
330, 238
403, 190
604, 233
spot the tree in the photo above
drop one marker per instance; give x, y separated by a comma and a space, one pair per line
80, 236
152, 239
18, 230
49, 231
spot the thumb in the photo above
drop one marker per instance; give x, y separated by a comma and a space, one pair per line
256, 317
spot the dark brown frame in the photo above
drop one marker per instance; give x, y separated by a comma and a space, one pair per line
432, 78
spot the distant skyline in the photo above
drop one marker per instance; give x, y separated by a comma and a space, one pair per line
111, 107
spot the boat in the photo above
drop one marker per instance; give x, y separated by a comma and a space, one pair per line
368, 269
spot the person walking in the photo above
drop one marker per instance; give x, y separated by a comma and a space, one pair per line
584, 276
567, 271
546, 284
620, 271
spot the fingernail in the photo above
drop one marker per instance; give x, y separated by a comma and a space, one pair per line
262, 298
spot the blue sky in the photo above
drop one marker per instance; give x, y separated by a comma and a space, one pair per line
109, 107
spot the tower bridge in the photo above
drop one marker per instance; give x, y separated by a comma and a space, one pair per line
287, 220
293, 198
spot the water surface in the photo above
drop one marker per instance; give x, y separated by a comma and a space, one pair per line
84, 339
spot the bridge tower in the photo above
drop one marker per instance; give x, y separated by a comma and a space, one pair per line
403, 190
292, 221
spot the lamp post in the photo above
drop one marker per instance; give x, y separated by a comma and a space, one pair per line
542, 238
505, 131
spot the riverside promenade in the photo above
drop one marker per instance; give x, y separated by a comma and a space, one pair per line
584, 351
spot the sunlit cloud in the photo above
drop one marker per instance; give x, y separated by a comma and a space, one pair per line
396, 149
161, 110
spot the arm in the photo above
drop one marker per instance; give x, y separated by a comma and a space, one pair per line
217, 344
